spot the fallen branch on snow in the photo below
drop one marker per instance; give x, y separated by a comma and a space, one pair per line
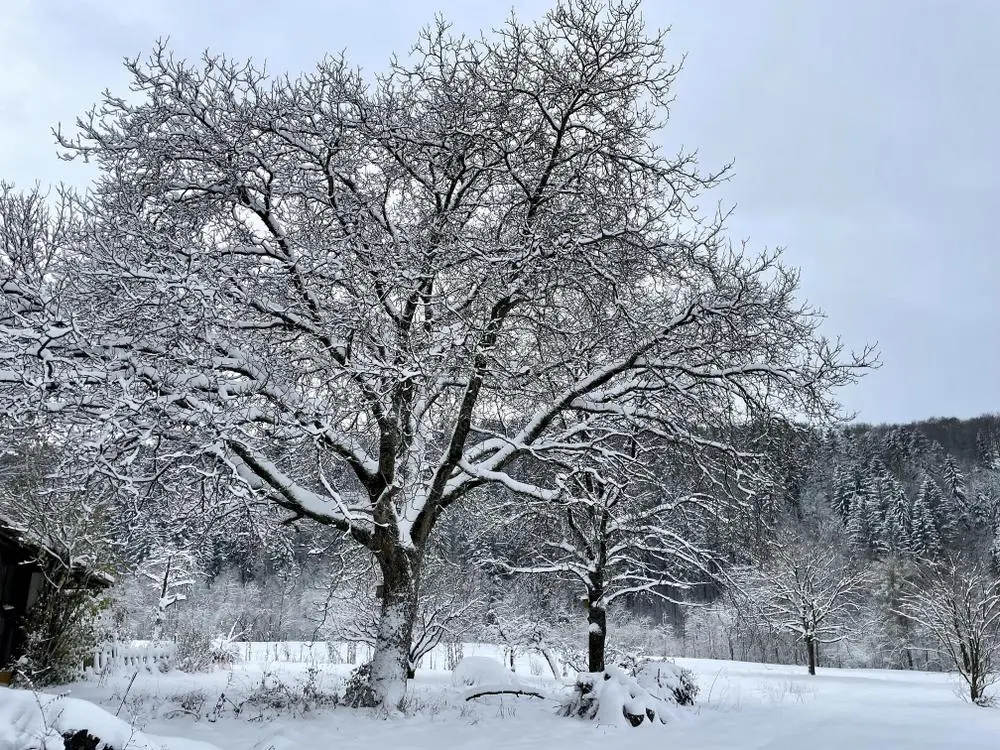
505, 691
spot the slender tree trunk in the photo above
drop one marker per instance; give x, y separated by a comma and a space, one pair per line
550, 657
811, 654
597, 627
391, 657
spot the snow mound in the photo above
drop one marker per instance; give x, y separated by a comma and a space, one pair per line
39, 721
475, 671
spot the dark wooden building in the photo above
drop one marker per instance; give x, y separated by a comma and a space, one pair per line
21, 581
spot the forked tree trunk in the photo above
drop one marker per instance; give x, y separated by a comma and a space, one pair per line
390, 665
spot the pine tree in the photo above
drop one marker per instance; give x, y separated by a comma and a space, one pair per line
953, 507
876, 487
859, 528
989, 449
919, 444
925, 539
995, 551
845, 491
954, 481
984, 509
897, 518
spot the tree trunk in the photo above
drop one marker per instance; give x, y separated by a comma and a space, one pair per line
811, 654
550, 657
597, 627
390, 665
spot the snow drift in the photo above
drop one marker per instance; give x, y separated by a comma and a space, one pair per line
39, 721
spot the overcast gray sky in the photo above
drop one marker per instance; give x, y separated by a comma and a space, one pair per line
864, 132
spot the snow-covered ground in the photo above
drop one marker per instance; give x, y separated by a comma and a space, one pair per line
745, 706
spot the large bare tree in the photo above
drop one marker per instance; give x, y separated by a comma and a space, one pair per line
369, 301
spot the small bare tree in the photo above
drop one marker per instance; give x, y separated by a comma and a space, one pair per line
171, 571
804, 589
957, 603
621, 530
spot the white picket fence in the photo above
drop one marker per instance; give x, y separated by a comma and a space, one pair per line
153, 655
300, 652
135, 655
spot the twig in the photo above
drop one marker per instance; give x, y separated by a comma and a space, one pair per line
127, 692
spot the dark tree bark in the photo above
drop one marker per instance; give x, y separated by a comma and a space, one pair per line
597, 615
597, 621
811, 654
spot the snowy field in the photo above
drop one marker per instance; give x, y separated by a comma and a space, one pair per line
747, 706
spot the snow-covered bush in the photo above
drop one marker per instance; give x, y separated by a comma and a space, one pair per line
614, 697
61, 629
474, 671
273, 696
198, 651
666, 681
357, 688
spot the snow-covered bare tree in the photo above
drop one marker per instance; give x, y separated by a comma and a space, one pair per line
957, 604
530, 615
171, 571
369, 302
805, 588
37, 333
622, 529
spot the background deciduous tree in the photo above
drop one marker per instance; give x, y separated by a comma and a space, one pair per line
630, 525
958, 605
805, 590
